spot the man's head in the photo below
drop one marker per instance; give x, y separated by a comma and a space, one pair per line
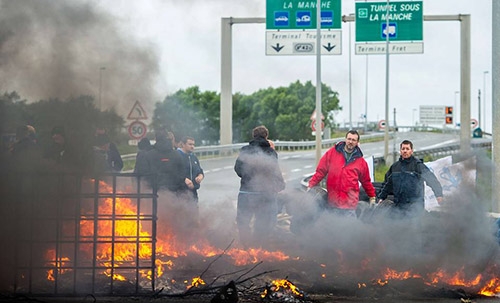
187, 144
260, 131
406, 149
25, 131
58, 134
102, 142
144, 144
351, 140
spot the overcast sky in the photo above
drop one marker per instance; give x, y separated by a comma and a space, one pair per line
187, 32
178, 42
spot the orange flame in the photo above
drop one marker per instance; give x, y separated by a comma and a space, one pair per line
492, 288
196, 282
458, 278
58, 263
115, 223
276, 285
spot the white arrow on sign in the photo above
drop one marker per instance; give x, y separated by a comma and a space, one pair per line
296, 42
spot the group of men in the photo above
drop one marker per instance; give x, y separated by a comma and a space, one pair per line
344, 168
97, 154
170, 165
174, 167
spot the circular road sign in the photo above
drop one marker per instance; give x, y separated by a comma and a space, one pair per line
381, 124
137, 130
313, 125
473, 123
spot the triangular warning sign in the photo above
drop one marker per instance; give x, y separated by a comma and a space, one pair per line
137, 112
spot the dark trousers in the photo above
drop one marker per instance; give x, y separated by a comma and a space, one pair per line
261, 207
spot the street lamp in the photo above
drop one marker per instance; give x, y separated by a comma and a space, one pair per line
350, 78
479, 120
366, 93
484, 98
100, 84
455, 112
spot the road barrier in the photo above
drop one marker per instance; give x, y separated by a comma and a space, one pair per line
230, 149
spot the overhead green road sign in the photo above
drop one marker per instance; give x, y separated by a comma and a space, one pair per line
405, 26
299, 14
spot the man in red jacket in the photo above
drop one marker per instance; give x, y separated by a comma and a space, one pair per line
344, 167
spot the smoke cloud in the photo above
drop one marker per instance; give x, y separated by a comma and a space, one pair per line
59, 49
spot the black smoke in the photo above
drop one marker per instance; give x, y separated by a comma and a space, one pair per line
56, 49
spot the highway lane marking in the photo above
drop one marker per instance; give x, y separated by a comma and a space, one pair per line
437, 145
217, 169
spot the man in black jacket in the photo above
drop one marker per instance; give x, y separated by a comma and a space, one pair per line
193, 172
405, 179
165, 164
261, 180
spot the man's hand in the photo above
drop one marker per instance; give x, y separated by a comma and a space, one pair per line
189, 183
373, 200
439, 200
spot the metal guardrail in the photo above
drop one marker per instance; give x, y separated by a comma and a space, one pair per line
230, 149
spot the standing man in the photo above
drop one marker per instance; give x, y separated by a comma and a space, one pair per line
405, 179
193, 172
344, 167
141, 160
62, 152
165, 165
261, 180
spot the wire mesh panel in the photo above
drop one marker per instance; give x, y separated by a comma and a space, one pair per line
69, 234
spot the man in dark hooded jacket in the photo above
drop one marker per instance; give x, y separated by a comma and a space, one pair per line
405, 179
165, 164
261, 180
141, 160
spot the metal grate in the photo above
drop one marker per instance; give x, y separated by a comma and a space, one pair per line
71, 234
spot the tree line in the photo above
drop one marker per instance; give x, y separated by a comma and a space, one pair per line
285, 111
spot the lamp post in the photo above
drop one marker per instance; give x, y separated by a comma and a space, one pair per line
455, 113
479, 120
100, 84
350, 78
366, 93
484, 98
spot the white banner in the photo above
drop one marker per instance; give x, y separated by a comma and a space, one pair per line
451, 176
370, 162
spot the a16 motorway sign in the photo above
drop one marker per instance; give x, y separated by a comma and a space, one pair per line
404, 29
291, 27
299, 14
